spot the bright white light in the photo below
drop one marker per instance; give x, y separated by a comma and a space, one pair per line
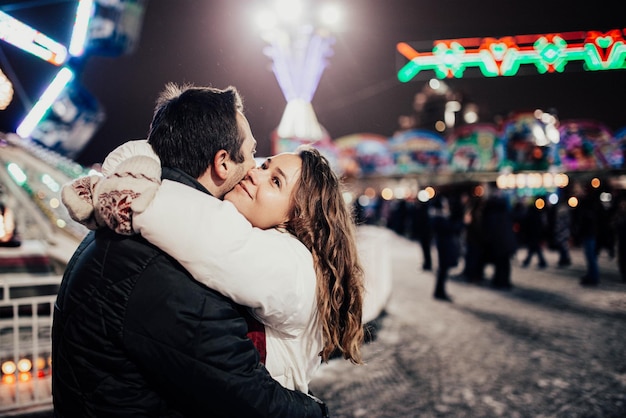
8, 367
510, 181
553, 198
45, 101
331, 14
552, 133
501, 181
470, 113
50, 182
84, 12
299, 121
30, 40
434, 84
423, 196
534, 180
17, 173
266, 20
561, 180
452, 106
364, 200
401, 192
540, 136
470, 116
548, 180
548, 119
289, 10
606, 197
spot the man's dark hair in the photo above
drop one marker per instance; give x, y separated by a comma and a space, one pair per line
191, 124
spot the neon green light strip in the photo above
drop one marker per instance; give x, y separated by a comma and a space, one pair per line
549, 53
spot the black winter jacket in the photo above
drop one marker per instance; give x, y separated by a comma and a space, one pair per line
135, 336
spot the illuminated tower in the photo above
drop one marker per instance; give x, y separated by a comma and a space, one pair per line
300, 42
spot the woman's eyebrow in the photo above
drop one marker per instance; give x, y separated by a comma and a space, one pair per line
278, 170
282, 174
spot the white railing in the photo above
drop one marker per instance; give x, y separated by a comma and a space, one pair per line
26, 307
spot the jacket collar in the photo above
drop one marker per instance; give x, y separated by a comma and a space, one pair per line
180, 176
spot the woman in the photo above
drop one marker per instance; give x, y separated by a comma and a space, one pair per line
291, 258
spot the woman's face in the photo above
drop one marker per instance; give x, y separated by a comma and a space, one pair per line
264, 194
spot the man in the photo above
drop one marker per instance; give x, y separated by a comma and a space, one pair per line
133, 333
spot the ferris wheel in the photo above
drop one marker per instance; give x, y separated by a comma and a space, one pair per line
66, 115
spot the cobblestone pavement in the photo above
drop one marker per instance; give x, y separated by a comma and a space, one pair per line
546, 348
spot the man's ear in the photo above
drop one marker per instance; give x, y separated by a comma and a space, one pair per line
221, 164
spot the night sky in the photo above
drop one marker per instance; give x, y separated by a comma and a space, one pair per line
214, 42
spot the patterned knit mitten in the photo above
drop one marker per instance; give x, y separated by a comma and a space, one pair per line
78, 199
129, 190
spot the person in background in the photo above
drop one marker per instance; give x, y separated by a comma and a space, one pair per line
619, 225
473, 267
585, 225
562, 233
534, 227
133, 334
398, 219
421, 230
500, 245
447, 227
606, 234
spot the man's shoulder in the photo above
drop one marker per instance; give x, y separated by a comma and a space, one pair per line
154, 267
107, 254
125, 247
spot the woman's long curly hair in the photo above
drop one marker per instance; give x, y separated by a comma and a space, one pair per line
323, 222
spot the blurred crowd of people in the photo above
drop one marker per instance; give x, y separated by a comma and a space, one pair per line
477, 226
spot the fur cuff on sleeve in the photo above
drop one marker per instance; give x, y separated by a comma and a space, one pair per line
126, 151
